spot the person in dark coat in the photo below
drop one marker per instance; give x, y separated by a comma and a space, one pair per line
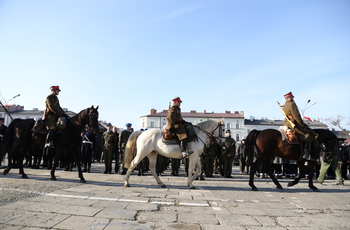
294, 122
87, 147
52, 112
176, 124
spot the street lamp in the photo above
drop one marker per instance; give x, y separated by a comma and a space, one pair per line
8, 105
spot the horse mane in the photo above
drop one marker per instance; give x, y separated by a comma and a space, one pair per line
207, 124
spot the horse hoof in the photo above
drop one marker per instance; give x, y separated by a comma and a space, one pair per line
82, 180
53, 178
192, 187
290, 184
279, 187
5, 172
24, 176
255, 189
163, 186
316, 190
126, 185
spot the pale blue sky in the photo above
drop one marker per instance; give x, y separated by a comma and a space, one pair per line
131, 56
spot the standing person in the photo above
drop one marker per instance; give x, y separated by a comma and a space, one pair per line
52, 112
241, 156
210, 152
3, 129
123, 139
332, 162
108, 142
116, 150
87, 147
176, 124
343, 160
295, 122
228, 154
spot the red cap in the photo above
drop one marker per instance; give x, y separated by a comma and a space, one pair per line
176, 99
55, 88
288, 95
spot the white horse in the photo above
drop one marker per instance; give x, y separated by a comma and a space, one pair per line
149, 143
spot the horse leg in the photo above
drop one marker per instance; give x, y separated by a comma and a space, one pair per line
301, 173
77, 158
272, 175
310, 167
58, 156
152, 166
192, 163
253, 169
20, 162
9, 163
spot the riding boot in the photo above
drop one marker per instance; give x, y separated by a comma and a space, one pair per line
307, 152
183, 146
49, 137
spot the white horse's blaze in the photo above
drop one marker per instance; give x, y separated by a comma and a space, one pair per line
149, 143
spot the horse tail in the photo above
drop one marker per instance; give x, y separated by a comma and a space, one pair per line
130, 148
9, 138
250, 144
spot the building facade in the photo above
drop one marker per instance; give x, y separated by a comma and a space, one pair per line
236, 122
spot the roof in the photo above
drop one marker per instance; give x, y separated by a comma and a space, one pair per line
280, 122
195, 114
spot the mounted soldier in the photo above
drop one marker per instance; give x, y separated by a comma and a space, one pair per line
294, 122
52, 113
176, 125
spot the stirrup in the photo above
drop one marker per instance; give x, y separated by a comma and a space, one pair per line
186, 153
49, 145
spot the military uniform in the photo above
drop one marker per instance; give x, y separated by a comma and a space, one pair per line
211, 150
123, 139
52, 112
87, 147
291, 110
108, 143
242, 156
228, 155
293, 118
175, 123
3, 129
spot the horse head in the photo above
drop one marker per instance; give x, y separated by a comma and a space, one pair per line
92, 119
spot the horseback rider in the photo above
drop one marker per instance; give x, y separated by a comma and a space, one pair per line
52, 112
303, 131
176, 124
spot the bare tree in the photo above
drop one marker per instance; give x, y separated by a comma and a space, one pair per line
337, 122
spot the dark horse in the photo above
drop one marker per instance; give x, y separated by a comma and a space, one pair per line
269, 142
20, 136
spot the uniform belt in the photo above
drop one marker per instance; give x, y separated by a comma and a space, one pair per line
87, 142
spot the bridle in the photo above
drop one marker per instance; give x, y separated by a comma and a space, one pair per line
211, 134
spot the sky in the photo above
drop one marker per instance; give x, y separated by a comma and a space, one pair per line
131, 56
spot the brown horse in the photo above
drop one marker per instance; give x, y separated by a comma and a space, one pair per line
269, 142
20, 136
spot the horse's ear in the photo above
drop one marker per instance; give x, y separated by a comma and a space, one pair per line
223, 121
97, 107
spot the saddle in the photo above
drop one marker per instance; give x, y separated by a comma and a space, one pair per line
171, 138
39, 126
289, 136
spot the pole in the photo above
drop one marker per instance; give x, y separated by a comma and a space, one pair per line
6, 111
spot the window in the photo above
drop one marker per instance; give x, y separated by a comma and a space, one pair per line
152, 124
237, 125
228, 125
237, 137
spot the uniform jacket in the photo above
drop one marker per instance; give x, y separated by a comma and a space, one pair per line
175, 121
109, 140
304, 133
53, 106
123, 138
229, 147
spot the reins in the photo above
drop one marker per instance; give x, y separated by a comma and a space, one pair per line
212, 133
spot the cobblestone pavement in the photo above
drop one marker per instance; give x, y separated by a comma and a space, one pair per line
217, 203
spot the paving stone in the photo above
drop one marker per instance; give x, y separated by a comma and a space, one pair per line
120, 214
83, 223
43, 220
130, 225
